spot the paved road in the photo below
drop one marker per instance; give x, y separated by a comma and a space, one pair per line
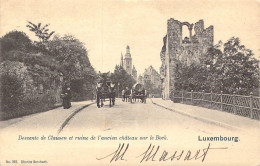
124, 123
126, 119
135, 117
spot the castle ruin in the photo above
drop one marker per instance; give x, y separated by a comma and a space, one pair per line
177, 49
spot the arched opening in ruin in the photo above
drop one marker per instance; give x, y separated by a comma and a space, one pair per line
193, 32
185, 34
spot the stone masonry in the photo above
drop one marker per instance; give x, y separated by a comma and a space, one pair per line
177, 49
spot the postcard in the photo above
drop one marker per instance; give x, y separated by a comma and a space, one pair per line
129, 82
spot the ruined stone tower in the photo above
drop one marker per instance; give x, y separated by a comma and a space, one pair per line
177, 49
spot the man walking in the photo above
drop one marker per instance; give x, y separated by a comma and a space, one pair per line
123, 95
66, 96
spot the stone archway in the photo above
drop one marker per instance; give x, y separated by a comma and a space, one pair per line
190, 27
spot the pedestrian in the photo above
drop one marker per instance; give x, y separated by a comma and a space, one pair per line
123, 95
66, 96
127, 93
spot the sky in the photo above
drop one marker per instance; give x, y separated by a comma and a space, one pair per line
106, 27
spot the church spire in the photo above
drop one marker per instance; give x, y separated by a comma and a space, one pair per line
128, 54
128, 49
122, 60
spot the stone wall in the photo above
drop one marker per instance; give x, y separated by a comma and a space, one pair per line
41, 88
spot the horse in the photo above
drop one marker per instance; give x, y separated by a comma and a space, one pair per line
105, 90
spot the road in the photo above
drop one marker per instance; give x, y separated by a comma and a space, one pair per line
97, 132
181, 132
135, 117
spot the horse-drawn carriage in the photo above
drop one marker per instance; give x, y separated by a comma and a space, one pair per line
105, 90
138, 92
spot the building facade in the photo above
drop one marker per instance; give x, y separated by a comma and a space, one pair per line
150, 74
179, 49
151, 80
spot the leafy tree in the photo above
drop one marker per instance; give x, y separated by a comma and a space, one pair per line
41, 32
230, 69
213, 62
74, 64
190, 77
15, 40
122, 77
72, 56
240, 72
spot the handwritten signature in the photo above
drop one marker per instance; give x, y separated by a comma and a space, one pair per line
152, 154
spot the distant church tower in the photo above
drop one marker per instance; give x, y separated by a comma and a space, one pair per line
122, 60
128, 61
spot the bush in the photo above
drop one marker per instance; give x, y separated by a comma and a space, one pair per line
11, 92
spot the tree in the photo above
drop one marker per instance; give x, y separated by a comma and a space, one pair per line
240, 70
213, 62
228, 67
72, 56
122, 77
15, 40
232, 69
74, 64
190, 77
41, 32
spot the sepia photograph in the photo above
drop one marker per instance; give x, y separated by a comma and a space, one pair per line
129, 82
